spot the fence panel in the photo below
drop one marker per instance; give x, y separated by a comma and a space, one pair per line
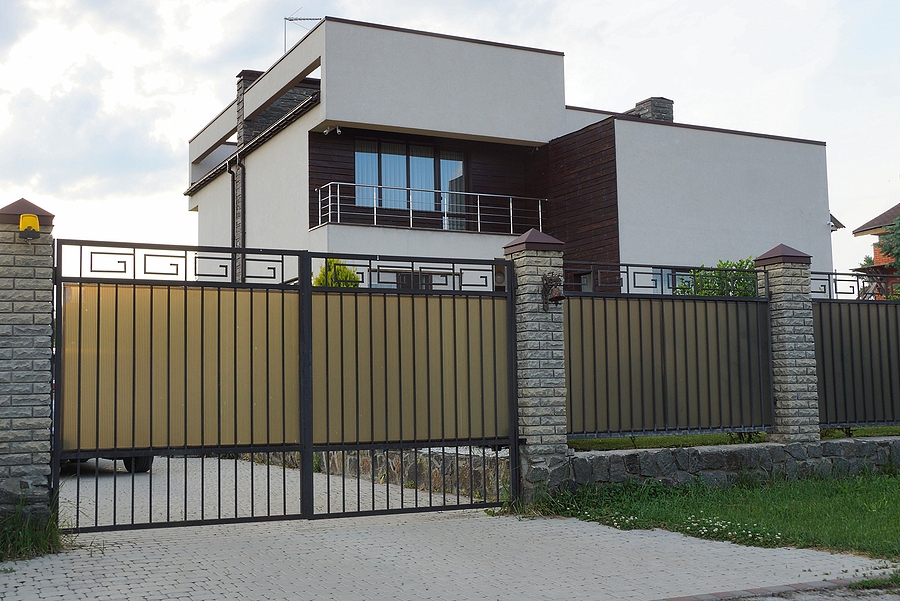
857, 359
667, 364
413, 384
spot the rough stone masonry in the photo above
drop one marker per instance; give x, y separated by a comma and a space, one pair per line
26, 295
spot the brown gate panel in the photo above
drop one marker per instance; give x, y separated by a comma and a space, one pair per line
164, 366
391, 367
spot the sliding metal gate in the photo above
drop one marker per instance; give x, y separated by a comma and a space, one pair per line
318, 386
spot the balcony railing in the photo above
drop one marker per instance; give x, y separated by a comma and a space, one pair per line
359, 204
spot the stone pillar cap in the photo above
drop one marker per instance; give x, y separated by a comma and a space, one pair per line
534, 240
10, 213
783, 254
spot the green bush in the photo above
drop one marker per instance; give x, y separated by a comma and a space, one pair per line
334, 273
728, 278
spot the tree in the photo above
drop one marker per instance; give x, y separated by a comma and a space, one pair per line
335, 273
867, 261
889, 244
728, 278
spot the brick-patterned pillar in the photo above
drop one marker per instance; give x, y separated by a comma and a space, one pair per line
794, 377
541, 369
26, 295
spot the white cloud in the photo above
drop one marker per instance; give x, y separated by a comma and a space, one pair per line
99, 97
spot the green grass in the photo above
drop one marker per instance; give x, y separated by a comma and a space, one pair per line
24, 537
892, 581
703, 440
849, 515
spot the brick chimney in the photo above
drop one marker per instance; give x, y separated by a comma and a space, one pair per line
655, 108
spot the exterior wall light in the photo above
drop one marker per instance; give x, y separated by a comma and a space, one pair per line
550, 289
29, 226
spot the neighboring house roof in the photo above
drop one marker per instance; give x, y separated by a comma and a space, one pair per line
877, 225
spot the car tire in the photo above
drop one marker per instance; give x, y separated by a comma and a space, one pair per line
138, 465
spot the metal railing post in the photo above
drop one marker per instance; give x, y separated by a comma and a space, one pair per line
307, 507
338, 203
510, 216
478, 204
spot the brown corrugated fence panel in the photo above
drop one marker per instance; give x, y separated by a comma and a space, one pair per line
857, 362
639, 364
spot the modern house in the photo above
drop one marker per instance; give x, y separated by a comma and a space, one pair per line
372, 139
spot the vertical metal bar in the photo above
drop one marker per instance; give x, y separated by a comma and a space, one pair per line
372, 390
203, 402
115, 362
151, 345
186, 394
338, 203
341, 393
415, 390
251, 352
478, 209
133, 385
306, 392
98, 363
512, 384
168, 402
540, 215
511, 230
56, 387
234, 377
219, 369
400, 386
387, 408
268, 401
319, 190
356, 382
283, 374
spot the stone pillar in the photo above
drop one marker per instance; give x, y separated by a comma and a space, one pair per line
541, 369
794, 378
26, 302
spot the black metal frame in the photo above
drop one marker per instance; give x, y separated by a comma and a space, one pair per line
213, 268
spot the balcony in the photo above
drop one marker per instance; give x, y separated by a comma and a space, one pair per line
386, 206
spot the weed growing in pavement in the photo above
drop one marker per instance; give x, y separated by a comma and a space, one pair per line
23, 535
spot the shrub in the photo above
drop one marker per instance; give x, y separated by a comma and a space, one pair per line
728, 278
335, 273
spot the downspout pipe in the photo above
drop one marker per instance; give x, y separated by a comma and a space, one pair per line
234, 258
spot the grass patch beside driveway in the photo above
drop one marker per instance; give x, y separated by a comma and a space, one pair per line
859, 514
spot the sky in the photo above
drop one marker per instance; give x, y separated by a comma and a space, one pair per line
98, 98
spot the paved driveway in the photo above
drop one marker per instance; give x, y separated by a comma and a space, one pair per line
455, 555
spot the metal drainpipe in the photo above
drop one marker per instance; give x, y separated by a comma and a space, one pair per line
234, 258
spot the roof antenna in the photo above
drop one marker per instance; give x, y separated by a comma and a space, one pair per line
294, 20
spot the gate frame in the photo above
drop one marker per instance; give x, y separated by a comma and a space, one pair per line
304, 285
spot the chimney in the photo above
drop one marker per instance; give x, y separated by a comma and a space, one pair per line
245, 131
655, 108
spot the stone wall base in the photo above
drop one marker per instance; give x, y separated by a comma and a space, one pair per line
451, 472
721, 465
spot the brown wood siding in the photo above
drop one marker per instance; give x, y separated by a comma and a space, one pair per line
330, 160
580, 185
490, 169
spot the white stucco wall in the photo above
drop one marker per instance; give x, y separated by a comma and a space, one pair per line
399, 241
412, 81
691, 197
276, 188
213, 203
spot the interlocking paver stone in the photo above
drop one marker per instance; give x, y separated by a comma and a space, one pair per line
453, 555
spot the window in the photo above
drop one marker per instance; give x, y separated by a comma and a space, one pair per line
397, 175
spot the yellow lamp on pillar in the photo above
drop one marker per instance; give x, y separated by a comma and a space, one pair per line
29, 226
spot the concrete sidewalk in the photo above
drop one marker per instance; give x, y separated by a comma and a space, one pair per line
456, 555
